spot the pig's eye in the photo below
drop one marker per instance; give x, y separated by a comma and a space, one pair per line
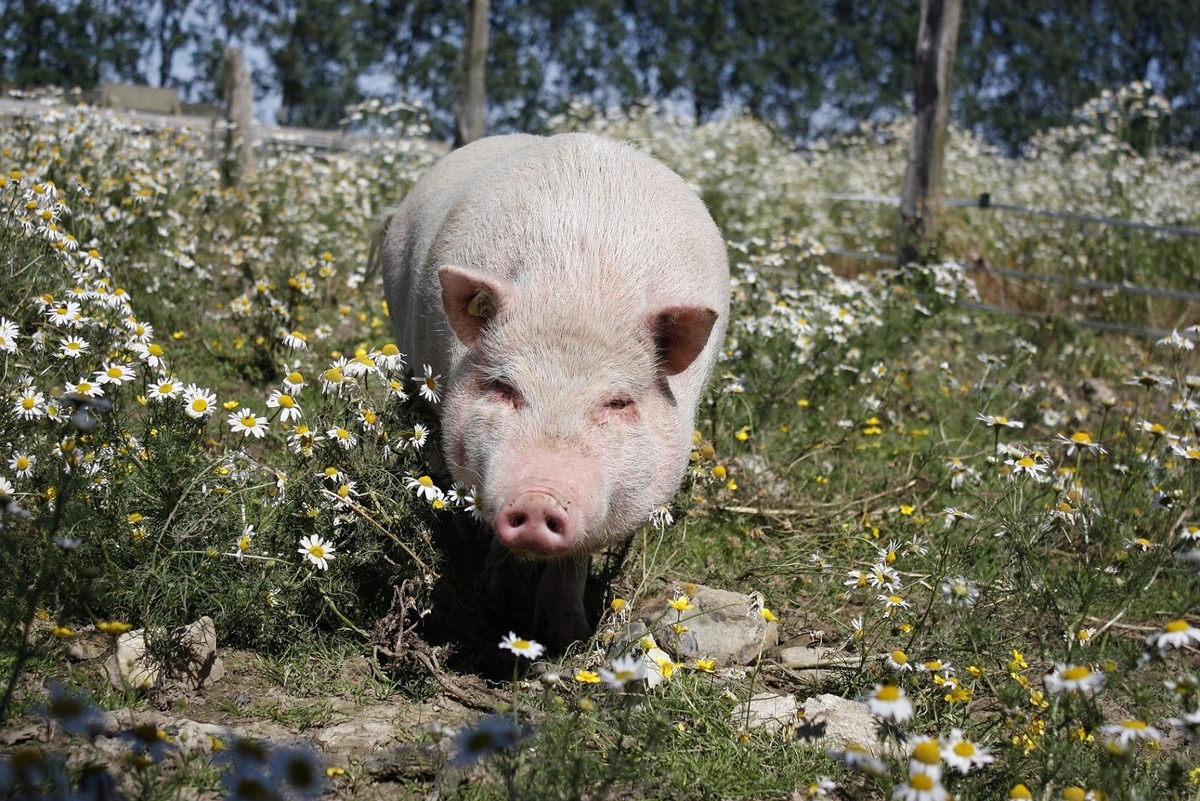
620, 403
501, 390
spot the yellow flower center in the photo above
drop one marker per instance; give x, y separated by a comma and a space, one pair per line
316, 551
1077, 672
425, 481
964, 749
287, 401
899, 657
1135, 725
888, 692
199, 405
927, 752
1176, 626
921, 782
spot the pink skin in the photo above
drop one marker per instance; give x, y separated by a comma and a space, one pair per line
572, 293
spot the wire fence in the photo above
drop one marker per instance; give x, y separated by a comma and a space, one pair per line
984, 201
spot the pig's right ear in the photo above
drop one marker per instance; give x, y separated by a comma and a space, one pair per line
471, 301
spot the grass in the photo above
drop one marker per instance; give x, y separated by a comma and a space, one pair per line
859, 465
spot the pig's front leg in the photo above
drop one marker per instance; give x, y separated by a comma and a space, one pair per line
558, 615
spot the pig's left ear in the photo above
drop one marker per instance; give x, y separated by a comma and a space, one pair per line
471, 301
680, 333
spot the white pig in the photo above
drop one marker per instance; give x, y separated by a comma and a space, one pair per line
573, 293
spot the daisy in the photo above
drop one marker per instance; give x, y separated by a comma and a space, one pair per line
962, 754
301, 440
1120, 736
289, 410
920, 787
296, 340
521, 647
1190, 452
363, 364
152, 354
65, 313
1075, 679
860, 758
424, 487
346, 438
418, 436
368, 419
898, 660
73, 347
889, 702
625, 669
22, 464
247, 423
116, 374
316, 550
8, 335
30, 404
998, 421
293, 382
1175, 634
891, 603
198, 402
139, 332
334, 380
959, 592
389, 357
84, 390
954, 514
164, 388
926, 759
1079, 442
428, 385
1028, 466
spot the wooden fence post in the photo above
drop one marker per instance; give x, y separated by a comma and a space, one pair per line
916, 236
237, 162
469, 106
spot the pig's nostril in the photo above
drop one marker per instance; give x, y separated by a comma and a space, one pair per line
517, 520
554, 524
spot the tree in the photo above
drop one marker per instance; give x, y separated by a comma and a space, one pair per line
469, 105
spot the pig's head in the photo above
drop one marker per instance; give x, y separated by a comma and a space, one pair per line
561, 412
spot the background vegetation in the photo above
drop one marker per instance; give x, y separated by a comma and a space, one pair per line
810, 67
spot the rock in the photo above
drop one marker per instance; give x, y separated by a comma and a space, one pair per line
818, 663
841, 722
767, 711
129, 668
194, 659
723, 626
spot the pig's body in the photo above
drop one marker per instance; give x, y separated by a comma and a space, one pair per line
572, 292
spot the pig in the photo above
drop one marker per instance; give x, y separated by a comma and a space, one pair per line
573, 294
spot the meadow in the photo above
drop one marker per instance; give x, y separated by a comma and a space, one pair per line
989, 519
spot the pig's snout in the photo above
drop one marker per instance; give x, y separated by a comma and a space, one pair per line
536, 522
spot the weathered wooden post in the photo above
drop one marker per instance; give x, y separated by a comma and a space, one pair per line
469, 106
916, 237
237, 161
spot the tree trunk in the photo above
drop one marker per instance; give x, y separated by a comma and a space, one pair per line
916, 239
468, 109
238, 160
